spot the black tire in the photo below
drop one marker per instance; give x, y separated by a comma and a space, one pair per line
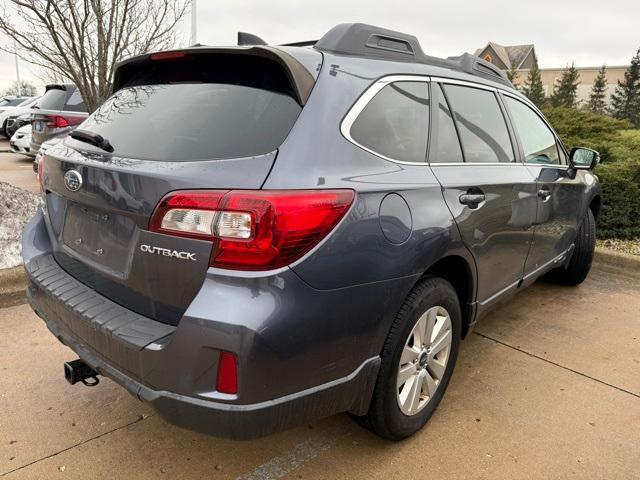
385, 417
577, 269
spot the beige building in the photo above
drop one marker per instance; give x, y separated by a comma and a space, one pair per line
522, 57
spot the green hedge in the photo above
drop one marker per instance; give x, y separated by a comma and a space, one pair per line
619, 172
581, 128
620, 214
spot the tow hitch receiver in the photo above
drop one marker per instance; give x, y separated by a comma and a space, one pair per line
78, 371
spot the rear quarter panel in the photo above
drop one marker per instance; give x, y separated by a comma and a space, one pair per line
316, 155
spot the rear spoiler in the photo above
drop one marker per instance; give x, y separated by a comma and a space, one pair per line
301, 79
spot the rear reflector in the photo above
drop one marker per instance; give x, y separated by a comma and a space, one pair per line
253, 229
227, 381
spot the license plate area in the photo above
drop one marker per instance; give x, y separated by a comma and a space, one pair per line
38, 126
99, 237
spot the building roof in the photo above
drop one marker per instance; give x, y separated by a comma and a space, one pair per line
511, 55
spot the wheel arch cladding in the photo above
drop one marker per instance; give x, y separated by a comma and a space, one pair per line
457, 271
595, 205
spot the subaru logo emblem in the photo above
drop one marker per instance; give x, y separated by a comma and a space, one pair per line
73, 180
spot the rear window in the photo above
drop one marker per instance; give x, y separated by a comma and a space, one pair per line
6, 102
186, 122
53, 99
205, 106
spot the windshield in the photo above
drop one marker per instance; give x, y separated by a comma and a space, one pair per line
194, 121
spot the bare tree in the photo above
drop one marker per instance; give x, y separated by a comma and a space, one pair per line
26, 88
83, 39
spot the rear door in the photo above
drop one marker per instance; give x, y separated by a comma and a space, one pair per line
490, 194
558, 192
209, 123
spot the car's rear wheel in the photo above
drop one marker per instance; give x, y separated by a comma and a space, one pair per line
576, 271
417, 360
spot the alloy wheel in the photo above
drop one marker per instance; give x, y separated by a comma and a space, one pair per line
424, 360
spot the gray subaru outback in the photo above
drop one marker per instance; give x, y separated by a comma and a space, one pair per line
252, 237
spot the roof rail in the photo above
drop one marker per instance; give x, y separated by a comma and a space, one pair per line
362, 40
476, 66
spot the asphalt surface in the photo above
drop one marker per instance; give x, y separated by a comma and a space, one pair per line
16, 169
547, 387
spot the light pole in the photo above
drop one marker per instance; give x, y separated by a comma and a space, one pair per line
17, 68
194, 23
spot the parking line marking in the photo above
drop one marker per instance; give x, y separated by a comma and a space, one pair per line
556, 364
283, 464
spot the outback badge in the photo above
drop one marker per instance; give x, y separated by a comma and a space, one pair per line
167, 252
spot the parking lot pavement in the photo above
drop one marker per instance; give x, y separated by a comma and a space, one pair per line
16, 169
547, 387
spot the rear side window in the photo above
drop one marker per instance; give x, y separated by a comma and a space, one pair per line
75, 103
538, 141
483, 131
53, 99
395, 123
447, 145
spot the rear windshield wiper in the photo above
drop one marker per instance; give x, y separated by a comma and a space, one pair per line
92, 139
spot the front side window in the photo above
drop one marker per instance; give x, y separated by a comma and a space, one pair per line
538, 141
483, 131
395, 123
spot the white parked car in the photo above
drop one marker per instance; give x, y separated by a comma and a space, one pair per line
10, 110
21, 141
44, 147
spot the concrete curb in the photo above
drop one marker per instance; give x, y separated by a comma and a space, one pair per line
619, 261
13, 281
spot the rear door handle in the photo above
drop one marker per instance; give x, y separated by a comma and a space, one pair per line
472, 199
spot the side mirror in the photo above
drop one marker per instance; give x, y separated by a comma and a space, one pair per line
583, 158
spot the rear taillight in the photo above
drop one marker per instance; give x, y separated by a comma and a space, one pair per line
60, 121
252, 229
227, 381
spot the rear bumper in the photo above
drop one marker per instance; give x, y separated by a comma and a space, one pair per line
302, 362
239, 422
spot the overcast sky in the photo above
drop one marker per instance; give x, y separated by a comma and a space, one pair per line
586, 32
